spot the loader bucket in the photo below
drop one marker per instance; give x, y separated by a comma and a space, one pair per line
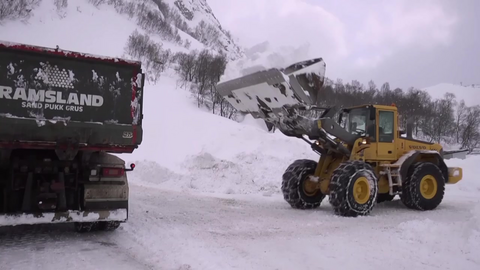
268, 94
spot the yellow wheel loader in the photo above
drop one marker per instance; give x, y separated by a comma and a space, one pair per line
365, 158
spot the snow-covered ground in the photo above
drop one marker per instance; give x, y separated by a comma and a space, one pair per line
191, 230
205, 194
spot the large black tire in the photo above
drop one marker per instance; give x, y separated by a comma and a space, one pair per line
84, 227
426, 194
344, 198
108, 225
292, 185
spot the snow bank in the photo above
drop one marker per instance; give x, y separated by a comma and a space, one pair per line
469, 94
198, 151
471, 172
187, 148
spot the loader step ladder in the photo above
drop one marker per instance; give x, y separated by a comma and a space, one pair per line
393, 174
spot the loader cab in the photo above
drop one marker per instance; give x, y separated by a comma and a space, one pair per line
376, 122
359, 121
387, 132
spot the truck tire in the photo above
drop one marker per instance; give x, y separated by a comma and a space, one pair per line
108, 225
83, 227
353, 189
424, 187
293, 185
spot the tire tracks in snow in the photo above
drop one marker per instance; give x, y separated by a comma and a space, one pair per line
58, 246
183, 231
169, 234
265, 233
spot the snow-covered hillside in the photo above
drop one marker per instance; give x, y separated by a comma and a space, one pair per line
471, 95
196, 11
178, 25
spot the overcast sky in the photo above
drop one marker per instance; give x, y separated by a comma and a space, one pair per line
405, 42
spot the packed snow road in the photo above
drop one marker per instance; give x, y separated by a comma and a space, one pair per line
179, 230
58, 247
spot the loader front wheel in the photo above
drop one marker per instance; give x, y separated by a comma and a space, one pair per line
353, 189
424, 187
298, 190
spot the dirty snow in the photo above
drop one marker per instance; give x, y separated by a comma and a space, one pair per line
73, 216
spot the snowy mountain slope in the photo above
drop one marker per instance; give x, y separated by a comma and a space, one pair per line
80, 26
471, 95
196, 11
176, 25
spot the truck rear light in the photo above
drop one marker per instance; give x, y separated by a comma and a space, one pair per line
113, 172
132, 167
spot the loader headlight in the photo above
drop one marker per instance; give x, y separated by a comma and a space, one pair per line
364, 141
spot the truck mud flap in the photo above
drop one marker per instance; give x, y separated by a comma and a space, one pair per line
269, 94
63, 217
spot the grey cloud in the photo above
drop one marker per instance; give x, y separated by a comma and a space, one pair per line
401, 64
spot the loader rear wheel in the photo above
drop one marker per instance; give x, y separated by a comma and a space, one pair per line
353, 189
297, 189
424, 187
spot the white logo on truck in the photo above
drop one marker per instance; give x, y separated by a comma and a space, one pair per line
51, 100
127, 135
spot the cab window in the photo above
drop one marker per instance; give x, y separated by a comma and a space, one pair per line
385, 126
357, 122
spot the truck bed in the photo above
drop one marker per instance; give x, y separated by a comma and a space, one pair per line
52, 97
